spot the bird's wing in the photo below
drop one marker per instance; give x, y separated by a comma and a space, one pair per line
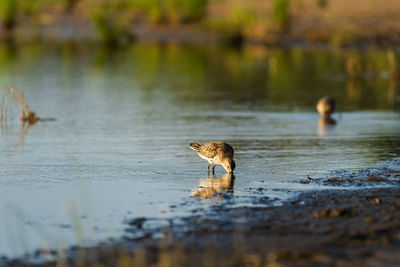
209, 149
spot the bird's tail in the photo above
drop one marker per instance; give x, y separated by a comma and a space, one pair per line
195, 146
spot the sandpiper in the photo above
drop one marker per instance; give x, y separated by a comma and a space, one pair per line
216, 153
326, 106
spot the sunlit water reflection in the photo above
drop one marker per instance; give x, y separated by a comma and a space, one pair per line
119, 146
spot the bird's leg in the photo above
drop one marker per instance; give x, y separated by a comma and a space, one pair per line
208, 169
213, 169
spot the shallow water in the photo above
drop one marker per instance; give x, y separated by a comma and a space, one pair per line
118, 148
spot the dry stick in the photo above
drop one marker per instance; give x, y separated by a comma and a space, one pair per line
29, 115
21, 104
2, 107
6, 108
23, 100
9, 93
19, 99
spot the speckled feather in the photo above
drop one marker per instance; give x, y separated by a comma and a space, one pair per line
212, 148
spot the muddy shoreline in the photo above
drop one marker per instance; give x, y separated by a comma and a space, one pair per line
340, 227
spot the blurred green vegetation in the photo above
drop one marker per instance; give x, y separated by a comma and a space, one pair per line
112, 22
281, 14
171, 11
114, 19
239, 21
236, 22
111, 19
70, 5
8, 13
11, 11
236, 26
322, 3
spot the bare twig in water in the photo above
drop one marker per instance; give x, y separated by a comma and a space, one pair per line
27, 115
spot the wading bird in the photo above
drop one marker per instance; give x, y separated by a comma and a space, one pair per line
326, 106
216, 153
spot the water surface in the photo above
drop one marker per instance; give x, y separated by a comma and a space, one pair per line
119, 146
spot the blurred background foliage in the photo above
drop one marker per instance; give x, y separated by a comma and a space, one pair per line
235, 21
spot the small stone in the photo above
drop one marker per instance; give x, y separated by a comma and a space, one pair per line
335, 212
138, 222
375, 201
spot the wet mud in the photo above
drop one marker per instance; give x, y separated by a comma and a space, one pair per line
341, 227
359, 178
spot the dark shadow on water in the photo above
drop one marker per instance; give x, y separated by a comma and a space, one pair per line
47, 119
215, 186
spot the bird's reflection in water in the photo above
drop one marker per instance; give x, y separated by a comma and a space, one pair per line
215, 187
326, 126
